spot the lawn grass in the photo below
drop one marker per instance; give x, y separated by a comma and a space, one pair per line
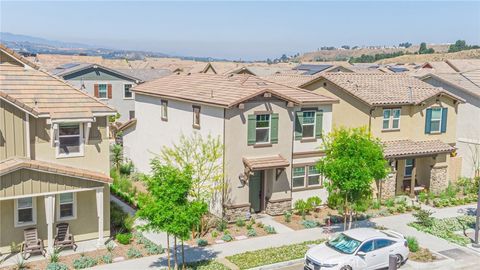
267, 256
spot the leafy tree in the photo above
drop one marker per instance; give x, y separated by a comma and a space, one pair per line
405, 44
424, 50
461, 45
353, 161
117, 156
346, 47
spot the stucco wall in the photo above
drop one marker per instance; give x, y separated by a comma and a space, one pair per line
122, 105
84, 227
96, 152
236, 128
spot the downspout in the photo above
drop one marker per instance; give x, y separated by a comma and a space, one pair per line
370, 119
27, 135
224, 188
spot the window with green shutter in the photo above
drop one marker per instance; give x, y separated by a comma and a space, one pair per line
274, 128
319, 124
298, 125
436, 120
251, 138
262, 128
308, 124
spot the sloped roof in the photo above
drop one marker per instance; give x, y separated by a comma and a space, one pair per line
42, 94
225, 90
463, 65
71, 68
294, 80
146, 74
17, 163
385, 88
468, 82
268, 162
409, 148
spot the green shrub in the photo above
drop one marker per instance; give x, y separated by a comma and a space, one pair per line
424, 217
269, 229
392, 210
56, 266
221, 225
389, 203
227, 237
376, 205
412, 244
446, 228
107, 258
314, 202
153, 249
308, 224
287, 216
214, 234
240, 222
110, 246
422, 197
126, 168
119, 220
301, 207
133, 253
249, 226
251, 233
84, 262
124, 238
401, 209
202, 242
15, 248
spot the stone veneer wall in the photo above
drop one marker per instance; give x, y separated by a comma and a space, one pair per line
278, 207
233, 212
438, 178
389, 184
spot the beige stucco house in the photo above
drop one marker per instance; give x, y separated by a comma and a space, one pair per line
255, 120
54, 156
416, 121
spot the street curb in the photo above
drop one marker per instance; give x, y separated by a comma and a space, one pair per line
277, 265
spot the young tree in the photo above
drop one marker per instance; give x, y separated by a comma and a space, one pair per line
353, 161
117, 156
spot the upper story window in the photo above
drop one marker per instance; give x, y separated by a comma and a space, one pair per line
25, 212
196, 116
164, 110
262, 128
391, 119
127, 93
70, 141
436, 120
102, 91
66, 206
306, 176
308, 124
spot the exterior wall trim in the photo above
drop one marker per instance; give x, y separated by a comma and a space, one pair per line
308, 154
49, 193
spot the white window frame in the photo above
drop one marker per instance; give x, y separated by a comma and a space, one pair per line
34, 213
309, 124
194, 109
164, 110
130, 90
306, 176
391, 118
307, 172
262, 128
81, 146
106, 91
439, 120
74, 207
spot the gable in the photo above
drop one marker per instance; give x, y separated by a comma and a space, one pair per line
5, 58
96, 74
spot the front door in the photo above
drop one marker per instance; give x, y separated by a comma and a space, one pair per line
255, 185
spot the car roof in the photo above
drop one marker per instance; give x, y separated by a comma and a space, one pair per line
362, 234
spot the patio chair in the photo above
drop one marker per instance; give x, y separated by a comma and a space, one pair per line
63, 237
32, 243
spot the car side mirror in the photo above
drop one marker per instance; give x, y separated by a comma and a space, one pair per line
361, 254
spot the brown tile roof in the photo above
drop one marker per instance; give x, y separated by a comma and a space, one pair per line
41, 93
385, 88
268, 162
463, 65
294, 80
17, 163
127, 124
409, 148
225, 90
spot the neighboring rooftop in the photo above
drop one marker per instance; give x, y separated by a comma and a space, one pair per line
293, 80
385, 88
225, 90
42, 94
409, 148
71, 68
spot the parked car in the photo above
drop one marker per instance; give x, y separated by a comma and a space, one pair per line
362, 248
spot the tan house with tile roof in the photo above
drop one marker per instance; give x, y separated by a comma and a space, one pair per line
253, 118
54, 156
416, 121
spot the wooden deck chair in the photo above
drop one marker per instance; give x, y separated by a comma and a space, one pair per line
32, 243
63, 237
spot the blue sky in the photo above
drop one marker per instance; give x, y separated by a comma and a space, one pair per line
243, 30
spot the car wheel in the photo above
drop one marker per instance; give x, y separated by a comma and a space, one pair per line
399, 260
346, 267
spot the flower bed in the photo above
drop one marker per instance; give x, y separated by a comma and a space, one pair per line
463, 192
267, 256
450, 229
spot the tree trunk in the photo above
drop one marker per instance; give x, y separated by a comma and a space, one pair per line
168, 252
350, 220
345, 213
175, 252
183, 257
380, 187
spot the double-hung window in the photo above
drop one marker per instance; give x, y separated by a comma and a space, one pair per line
308, 125
66, 206
409, 167
69, 140
127, 93
391, 119
436, 120
306, 176
25, 212
196, 116
102, 91
262, 128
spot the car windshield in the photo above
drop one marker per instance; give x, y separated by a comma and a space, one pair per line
344, 244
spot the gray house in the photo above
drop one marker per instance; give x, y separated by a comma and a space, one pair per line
108, 85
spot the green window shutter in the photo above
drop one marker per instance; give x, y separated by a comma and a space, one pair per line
318, 124
428, 119
252, 121
444, 120
274, 128
298, 125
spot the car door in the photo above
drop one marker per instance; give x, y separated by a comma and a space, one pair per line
383, 248
369, 260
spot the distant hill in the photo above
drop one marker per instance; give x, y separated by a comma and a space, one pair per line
421, 58
14, 38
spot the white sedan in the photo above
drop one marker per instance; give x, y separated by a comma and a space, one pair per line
362, 248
